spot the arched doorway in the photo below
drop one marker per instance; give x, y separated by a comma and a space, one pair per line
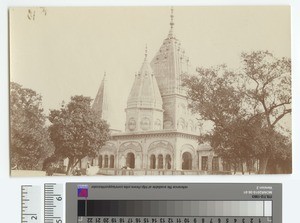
152, 161
168, 161
112, 161
130, 160
160, 163
106, 161
187, 161
100, 160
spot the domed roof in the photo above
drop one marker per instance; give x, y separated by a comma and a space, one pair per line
145, 92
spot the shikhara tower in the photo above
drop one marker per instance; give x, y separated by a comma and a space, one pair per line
144, 105
169, 64
101, 102
161, 134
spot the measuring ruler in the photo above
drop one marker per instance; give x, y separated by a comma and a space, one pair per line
32, 203
53, 203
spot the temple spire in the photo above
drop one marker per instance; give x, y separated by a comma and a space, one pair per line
144, 104
101, 101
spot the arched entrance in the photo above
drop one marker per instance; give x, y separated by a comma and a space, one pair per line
187, 161
106, 161
168, 161
130, 160
152, 162
111, 161
160, 164
100, 161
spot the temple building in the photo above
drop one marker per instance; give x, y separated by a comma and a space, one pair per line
161, 133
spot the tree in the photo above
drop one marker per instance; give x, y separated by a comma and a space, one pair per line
214, 95
267, 88
245, 107
29, 139
233, 142
77, 131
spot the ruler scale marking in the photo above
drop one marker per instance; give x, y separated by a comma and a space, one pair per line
53, 203
31, 204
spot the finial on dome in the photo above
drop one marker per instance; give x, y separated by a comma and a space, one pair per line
172, 17
171, 22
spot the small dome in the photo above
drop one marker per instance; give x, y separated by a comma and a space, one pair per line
145, 92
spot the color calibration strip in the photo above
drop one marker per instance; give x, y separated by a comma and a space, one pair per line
148, 208
173, 203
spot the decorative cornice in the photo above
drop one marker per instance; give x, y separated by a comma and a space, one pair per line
150, 134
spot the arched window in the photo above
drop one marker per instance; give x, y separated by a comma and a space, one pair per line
130, 160
112, 161
181, 124
160, 163
100, 160
106, 161
152, 162
157, 125
131, 124
187, 161
145, 123
168, 162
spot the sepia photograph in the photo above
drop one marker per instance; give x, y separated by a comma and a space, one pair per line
183, 90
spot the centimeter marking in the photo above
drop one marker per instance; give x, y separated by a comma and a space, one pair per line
53, 203
31, 204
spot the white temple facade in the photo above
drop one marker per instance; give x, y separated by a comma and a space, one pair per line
161, 134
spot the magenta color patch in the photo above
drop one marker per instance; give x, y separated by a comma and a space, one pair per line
82, 192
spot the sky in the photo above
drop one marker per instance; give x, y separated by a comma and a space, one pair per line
64, 51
